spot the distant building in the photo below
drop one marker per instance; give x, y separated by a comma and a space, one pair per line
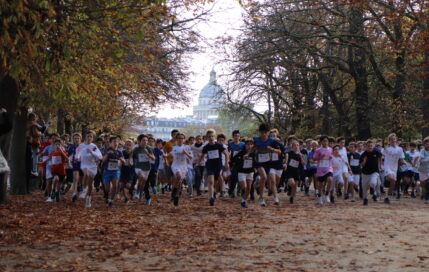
209, 100
206, 112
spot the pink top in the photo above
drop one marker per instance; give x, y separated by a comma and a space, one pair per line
324, 165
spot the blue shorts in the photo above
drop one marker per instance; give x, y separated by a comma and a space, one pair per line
108, 175
213, 172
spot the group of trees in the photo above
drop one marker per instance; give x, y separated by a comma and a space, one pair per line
352, 68
91, 64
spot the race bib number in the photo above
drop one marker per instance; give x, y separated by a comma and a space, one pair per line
275, 157
265, 157
143, 157
213, 154
324, 163
293, 163
354, 162
248, 163
56, 160
113, 165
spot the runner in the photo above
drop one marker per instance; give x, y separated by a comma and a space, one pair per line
213, 151
88, 154
424, 169
354, 162
234, 148
294, 159
142, 154
180, 154
198, 162
127, 171
244, 162
370, 160
323, 157
58, 159
392, 155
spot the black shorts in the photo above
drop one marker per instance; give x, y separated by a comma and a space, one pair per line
213, 172
127, 175
325, 177
310, 172
294, 174
69, 176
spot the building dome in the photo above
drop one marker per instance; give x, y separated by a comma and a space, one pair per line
212, 89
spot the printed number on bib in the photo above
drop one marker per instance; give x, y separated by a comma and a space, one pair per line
213, 154
293, 163
275, 157
265, 157
247, 164
324, 163
56, 160
354, 162
143, 158
113, 165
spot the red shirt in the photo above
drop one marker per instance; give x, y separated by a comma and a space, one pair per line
58, 162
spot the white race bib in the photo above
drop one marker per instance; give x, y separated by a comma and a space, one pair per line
56, 160
213, 154
264, 157
324, 163
247, 163
143, 157
235, 152
113, 165
44, 158
293, 163
275, 157
354, 162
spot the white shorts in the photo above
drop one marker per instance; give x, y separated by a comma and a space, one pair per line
276, 172
338, 179
390, 172
91, 171
48, 173
345, 169
354, 179
141, 173
245, 176
179, 169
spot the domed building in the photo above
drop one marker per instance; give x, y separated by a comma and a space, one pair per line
209, 100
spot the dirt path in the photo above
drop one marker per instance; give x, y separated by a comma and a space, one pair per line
36, 236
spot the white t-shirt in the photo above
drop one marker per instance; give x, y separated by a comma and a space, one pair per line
197, 152
88, 160
179, 158
414, 155
392, 155
338, 164
343, 154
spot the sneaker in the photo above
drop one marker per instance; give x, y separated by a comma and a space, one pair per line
154, 190
319, 201
353, 200
212, 201
244, 204
332, 199
49, 199
74, 197
365, 202
118, 196
291, 200
262, 203
109, 203
83, 194
222, 194
374, 197
88, 202
398, 198
387, 200
276, 201
327, 200
175, 201
148, 201
126, 200
346, 196
136, 195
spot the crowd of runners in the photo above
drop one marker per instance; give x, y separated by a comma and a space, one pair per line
249, 169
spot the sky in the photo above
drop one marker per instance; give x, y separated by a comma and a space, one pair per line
225, 21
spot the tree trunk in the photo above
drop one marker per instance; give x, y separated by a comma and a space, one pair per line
425, 130
68, 126
60, 121
398, 91
18, 177
357, 63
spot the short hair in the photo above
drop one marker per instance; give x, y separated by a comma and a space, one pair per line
308, 140
248, 141
412, 144
174, 131
274, 130
112, 138
340, 139
140, 137
331, 139
369, 141
323, 137
191, 138
352, 144
391, 135
264, 127
235, 132
292, 137
77, 134
210, 131
180, 134
425, 140
57, 141
99, 139
151, 138
90, 132
55, 134
335, 146
221, 136
159, 141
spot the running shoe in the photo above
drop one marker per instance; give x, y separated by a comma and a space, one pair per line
88, 202
319, 201
365, 202
276, 201
327, 200
212, 201
243, 204
148, 201
262, 203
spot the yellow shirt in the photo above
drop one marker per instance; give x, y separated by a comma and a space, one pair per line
168, 147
